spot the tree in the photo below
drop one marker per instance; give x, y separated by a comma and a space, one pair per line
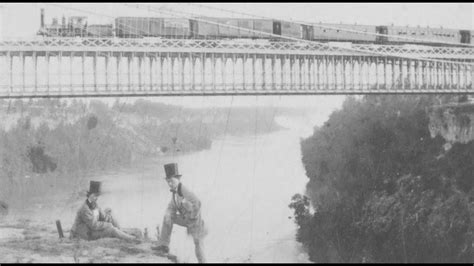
358, 164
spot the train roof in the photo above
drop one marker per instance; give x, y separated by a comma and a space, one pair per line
335, 25
100, 25
149, 17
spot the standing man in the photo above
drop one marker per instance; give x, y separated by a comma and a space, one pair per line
92, 223
184, 209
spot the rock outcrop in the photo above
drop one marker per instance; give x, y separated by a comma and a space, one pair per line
454, 122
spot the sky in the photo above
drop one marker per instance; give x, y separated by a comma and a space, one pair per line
22, 20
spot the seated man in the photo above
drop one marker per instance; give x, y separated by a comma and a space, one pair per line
92, 223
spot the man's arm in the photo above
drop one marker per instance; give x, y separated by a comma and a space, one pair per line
171, 209
88, 218
106, 216
102, 215
192, 203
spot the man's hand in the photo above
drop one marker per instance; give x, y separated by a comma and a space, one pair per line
189, 212
187, 205
109, 225
108, 215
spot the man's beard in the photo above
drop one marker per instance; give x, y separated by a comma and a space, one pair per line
93, 204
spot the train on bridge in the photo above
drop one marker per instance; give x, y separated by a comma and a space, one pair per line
215, 28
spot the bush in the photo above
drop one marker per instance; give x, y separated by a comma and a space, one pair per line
381, 186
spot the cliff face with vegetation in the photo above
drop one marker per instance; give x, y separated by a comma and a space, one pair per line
46, 144
382, 189
454, 122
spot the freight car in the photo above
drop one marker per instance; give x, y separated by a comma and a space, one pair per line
214, 28
206, 27
337, 32
424, 35
136, 27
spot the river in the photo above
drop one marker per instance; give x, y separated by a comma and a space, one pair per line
245, 185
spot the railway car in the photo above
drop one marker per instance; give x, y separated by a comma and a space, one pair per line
248, 26
466, 36
262, 25
442, 35
337, 32
228, 32
201, 28
132, 27
155, 27
207, 27
244, 28
422, 35
215, 28
175, 28
257, 28
288, 29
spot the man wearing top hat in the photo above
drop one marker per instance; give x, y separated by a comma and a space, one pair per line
92, 223
184, 209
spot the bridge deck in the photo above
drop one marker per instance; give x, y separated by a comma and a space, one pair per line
125, 46
71, 67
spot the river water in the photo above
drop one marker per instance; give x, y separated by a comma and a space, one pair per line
245, 185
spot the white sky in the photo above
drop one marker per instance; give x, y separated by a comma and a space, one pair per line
23, 20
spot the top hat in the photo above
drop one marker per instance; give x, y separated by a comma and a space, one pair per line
171, 170
94, 187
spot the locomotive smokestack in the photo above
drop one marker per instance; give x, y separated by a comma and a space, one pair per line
42, 17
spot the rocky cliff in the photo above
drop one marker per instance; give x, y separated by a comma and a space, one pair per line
454, 122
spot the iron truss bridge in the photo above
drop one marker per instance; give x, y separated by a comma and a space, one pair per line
93, 67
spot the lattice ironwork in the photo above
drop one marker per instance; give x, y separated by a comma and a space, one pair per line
420, 51
45, 92
146, 67
224, 89
230, 46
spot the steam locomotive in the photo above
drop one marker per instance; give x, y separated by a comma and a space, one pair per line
208, 28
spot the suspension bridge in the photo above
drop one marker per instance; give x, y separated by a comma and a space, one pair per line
111, 67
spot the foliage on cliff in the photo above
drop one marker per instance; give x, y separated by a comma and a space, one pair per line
70, 139
383, 190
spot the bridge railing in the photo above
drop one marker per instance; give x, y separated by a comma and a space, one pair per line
50, 67
230, 46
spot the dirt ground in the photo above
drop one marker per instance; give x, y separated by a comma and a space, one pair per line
25, 242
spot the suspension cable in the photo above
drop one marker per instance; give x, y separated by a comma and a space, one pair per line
253, 174
222, 147
175, 139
